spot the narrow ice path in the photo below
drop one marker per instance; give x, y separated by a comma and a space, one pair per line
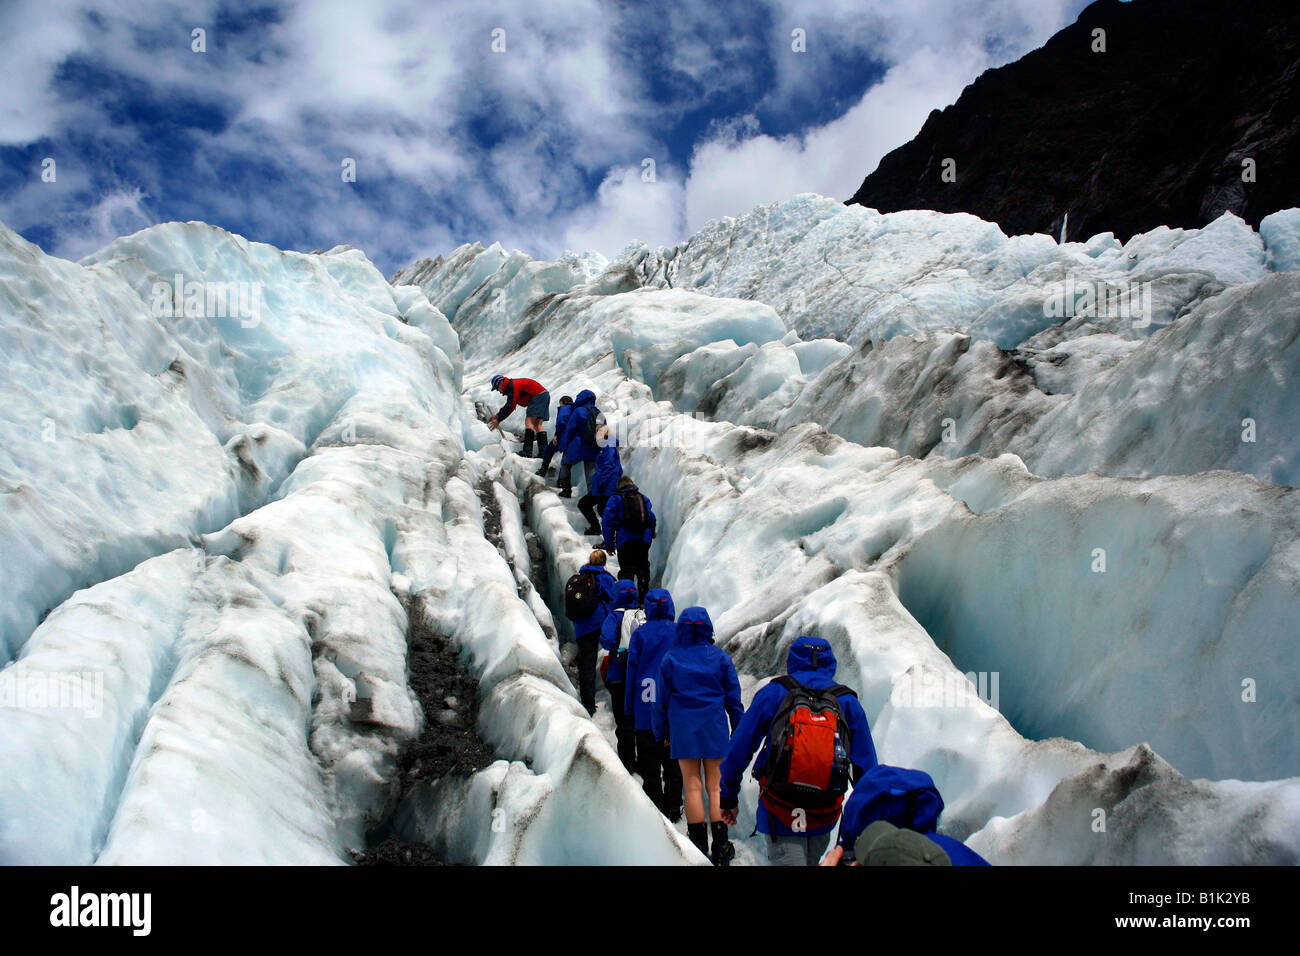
558, 524
560, 796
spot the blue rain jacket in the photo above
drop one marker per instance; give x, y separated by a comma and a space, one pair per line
611, 524
573, 443
698, 700
561, 416
609, 469
650, 642
812, 663
906, 798
624, 598
958, 852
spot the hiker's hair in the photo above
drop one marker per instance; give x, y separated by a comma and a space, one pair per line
602, 432
597, 557
626, 482
566, 399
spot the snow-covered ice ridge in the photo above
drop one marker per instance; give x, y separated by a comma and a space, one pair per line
1100, 541
951, 338
207, 520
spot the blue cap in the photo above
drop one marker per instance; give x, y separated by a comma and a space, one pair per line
497, 380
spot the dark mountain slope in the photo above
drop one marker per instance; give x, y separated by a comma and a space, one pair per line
1152, 131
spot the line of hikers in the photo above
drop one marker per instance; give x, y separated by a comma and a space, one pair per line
680, 724
612, 505
675, 695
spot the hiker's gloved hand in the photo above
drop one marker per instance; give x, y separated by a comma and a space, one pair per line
729, 817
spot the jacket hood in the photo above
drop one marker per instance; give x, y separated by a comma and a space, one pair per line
659, 605
598, 568
694, 627
906, 798
625, 594
810, 655
585, 397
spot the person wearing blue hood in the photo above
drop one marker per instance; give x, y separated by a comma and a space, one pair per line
576, 444
609, 471
661, 777
815, 763
630, 526
615, 635
588, 619
696, 707
892, 819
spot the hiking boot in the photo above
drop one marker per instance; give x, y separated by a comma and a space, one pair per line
673, 813
592, 532
541, 472
723, 849
699, 835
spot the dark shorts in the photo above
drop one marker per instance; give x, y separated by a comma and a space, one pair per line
539, 406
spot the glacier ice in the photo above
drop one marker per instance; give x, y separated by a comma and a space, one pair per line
224, 561
1055, 555
1087, 394
957, 557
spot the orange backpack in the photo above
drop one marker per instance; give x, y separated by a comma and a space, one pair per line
808, 747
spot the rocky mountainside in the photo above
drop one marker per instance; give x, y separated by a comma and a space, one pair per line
1151, 130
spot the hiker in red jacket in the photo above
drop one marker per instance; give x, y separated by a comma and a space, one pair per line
537, 409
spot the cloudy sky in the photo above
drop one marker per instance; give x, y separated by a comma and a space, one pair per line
535, 123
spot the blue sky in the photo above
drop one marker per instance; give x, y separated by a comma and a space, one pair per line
541, 145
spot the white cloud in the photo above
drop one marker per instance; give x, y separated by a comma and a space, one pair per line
628, 208
729, 178
116, 214
936, 48
895, 29
392, 82
35, 37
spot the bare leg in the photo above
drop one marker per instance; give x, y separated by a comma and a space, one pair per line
713, 780
694, 788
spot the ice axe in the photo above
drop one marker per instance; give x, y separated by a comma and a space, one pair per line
500, 432
489, 420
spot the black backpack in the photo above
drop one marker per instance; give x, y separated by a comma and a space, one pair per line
808, 747
635, 517
582, 595
591, 425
